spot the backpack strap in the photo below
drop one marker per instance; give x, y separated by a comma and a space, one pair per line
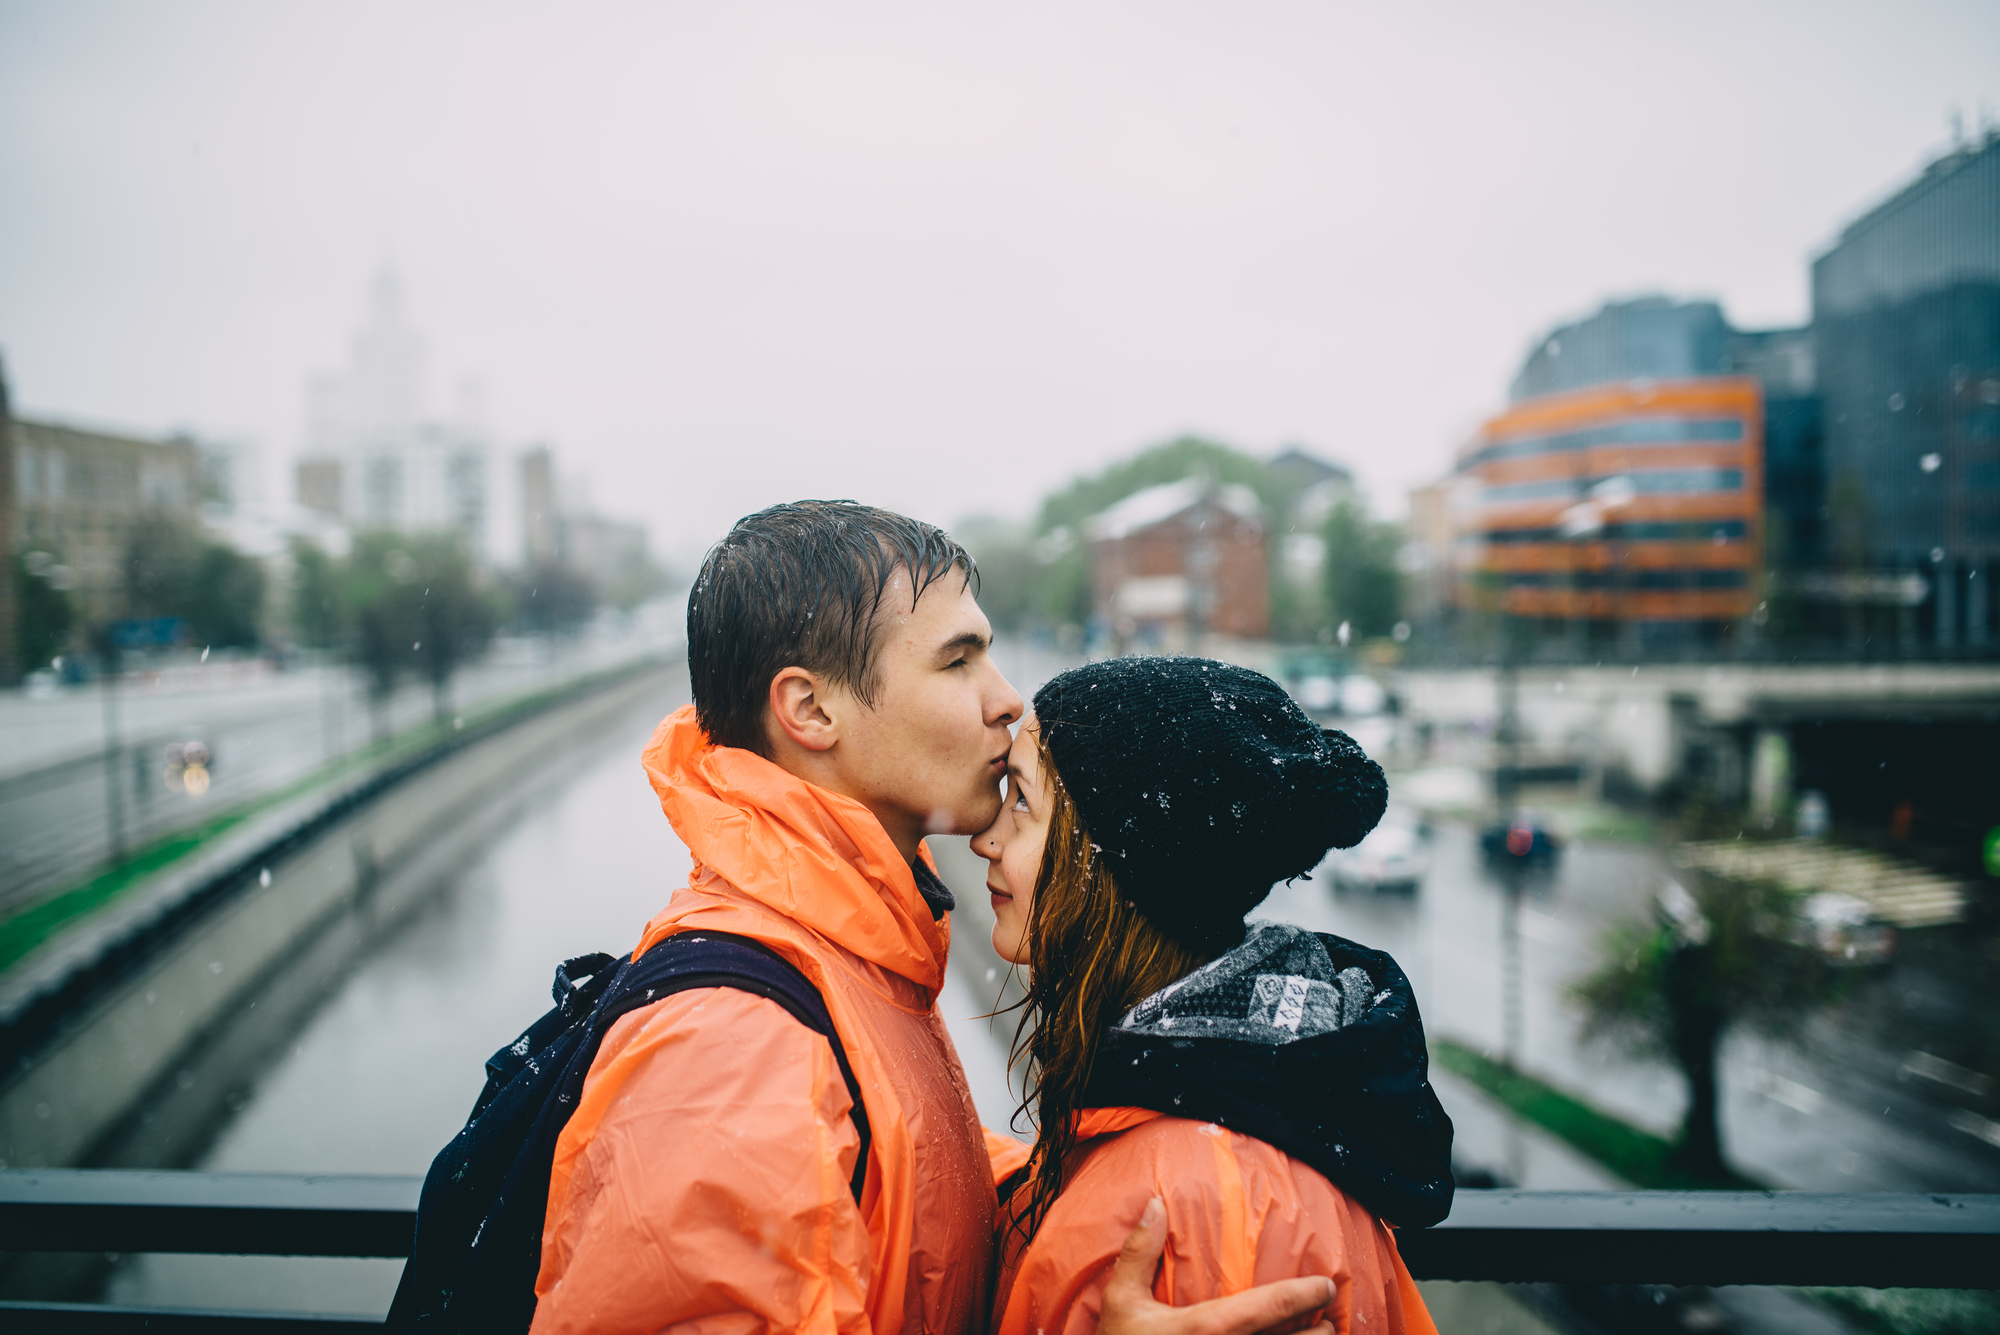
691, 960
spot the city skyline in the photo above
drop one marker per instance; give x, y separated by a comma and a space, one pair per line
938, 262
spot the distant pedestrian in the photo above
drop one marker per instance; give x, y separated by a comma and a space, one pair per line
1259, 1090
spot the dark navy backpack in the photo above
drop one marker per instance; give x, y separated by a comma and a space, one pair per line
479, 1221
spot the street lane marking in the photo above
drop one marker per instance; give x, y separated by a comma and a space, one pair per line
1972, 1124
1947, 1073
1790, 1093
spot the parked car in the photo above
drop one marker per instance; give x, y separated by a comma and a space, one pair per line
1318, 694
1520, 841
1394, 856
1846, 930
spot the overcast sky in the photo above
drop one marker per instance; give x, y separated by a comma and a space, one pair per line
937, 256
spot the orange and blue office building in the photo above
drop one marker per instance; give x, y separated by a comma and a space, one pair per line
1625, 482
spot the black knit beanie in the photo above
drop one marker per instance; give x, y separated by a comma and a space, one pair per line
1203, 784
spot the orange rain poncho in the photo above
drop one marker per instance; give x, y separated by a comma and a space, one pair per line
703, 1181
1239, 1213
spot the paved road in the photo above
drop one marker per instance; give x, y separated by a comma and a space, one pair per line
1801, 1118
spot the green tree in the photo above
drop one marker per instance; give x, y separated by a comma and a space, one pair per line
1184, 457
1008, 571
162, 565
317, 610
551, 598
1721, 952
46, 615
225, 608
415, 606
1061, 592
171, 570
1363, 585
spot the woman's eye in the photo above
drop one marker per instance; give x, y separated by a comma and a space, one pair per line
1020, 800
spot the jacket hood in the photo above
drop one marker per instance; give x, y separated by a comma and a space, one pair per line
1308, 1042
814, 857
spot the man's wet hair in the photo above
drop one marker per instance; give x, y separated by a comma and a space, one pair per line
800, 585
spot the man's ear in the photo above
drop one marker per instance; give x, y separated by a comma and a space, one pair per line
798, 704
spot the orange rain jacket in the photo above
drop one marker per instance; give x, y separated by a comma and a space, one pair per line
1239, 1213
704, 1181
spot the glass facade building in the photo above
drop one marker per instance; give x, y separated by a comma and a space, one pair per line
1906, 322
1654, 338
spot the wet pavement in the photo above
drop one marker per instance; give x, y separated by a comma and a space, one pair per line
1800, 1117
262, 729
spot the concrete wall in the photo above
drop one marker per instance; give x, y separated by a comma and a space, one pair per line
125, 1083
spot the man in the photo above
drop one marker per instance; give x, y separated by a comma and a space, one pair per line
845, 706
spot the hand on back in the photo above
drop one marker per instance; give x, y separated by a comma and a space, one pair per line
1130, 1308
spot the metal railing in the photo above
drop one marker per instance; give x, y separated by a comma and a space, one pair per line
1565, 1237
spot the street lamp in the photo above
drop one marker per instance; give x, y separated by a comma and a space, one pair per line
1586, 520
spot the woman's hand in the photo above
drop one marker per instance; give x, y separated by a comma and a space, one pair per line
1130, 1309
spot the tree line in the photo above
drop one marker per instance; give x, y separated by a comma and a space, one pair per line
1038, 577
398, 606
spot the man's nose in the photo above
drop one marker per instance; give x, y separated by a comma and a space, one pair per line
1007, 705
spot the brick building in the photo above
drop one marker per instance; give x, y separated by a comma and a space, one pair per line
78, 494
1177, 562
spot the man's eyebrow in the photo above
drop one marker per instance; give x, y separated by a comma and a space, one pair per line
970, 639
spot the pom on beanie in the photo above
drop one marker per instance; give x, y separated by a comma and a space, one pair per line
1203, 784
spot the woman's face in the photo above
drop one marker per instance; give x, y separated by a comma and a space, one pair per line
1013, 845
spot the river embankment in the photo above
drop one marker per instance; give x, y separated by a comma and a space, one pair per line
124, 1042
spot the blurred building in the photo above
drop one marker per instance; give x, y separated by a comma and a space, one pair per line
1309, 483
1175, 562
1426, 558
1781, 361
374, 458
559, 527
1625, 484
1300, 492
77, 495
603, 549
232, 477
541, 508
1906, 322
320, 484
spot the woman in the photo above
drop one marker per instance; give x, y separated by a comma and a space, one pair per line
1268, 1084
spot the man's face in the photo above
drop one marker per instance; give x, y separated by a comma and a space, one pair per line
929, 757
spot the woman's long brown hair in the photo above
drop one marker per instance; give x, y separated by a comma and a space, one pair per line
1093, 956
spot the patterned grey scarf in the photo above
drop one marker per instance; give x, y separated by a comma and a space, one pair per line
1277, 987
